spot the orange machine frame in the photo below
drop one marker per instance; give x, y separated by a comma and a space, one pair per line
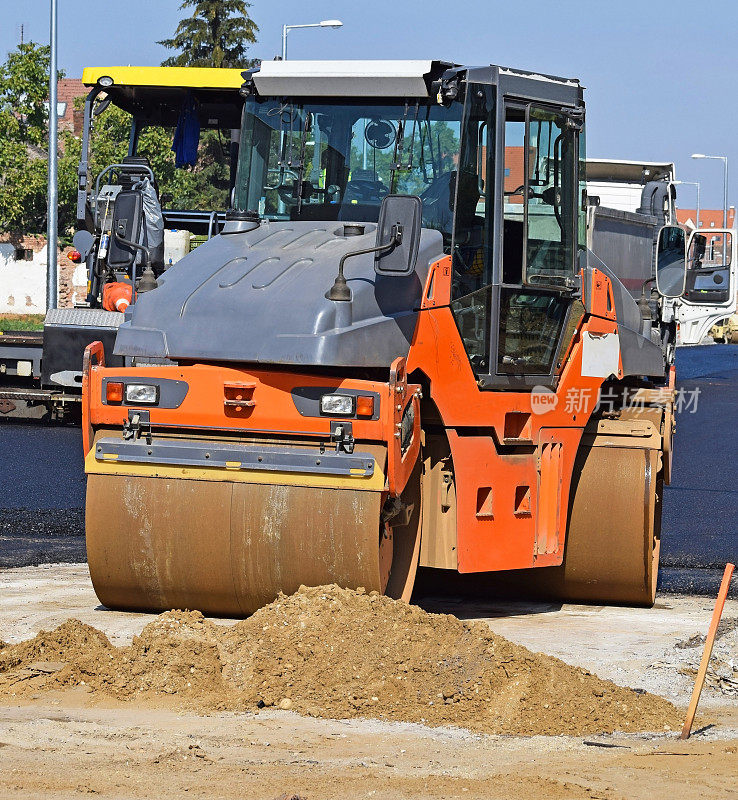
513, 467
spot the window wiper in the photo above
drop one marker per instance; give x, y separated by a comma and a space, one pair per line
283, 161
287, 159
426, 135
397, 163
299, 184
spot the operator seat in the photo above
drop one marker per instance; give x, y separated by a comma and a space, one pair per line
137, 217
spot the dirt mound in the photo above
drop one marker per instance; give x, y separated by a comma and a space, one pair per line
67, 656
176, 654
331, 652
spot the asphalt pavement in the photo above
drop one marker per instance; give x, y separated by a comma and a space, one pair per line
42, 482
700, 517
42, 494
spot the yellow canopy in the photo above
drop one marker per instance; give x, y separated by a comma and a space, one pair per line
155, 95
179, 77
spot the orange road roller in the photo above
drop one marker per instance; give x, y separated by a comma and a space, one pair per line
410, 345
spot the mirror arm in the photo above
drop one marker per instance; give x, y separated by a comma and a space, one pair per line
645, 309
340, 289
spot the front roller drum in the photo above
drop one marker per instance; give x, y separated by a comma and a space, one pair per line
229, 548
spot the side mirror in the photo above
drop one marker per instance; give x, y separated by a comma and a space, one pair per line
83, 241
671, 261
398, 234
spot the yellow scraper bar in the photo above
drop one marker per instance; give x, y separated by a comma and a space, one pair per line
372, 483
192, 77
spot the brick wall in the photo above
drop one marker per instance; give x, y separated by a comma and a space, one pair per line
23, 279
68, 90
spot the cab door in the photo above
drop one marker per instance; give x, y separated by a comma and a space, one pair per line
710, 293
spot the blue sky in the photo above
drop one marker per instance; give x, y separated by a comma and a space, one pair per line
659, 86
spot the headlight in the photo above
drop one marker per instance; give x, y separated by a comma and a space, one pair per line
340, 404
141, 394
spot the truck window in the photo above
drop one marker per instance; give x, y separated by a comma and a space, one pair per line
708, 268
514, 192
338, 161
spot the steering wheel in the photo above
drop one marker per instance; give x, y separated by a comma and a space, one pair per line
281, 172
367, 191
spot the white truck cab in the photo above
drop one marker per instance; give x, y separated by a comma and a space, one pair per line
710, 293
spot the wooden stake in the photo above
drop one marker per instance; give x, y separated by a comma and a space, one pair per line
709, 642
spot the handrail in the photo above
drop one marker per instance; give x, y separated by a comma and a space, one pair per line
131, 168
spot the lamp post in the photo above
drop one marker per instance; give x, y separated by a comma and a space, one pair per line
697, 184
724, 159
326, 23
52, 192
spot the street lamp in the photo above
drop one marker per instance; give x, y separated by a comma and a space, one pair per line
52, 192
326, 23
724, 159
697, 184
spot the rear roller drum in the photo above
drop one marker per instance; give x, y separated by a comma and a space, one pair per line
614, 535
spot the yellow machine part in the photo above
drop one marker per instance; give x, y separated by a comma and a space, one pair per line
227, 542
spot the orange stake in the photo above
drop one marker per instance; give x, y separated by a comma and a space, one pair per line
709, 642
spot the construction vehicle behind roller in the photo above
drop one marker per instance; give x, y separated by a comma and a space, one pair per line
41, 371
726, 331
398, 352
631, 189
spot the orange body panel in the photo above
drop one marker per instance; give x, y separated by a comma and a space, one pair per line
511, 509
256, 402
267, 407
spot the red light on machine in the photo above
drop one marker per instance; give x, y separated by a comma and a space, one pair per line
114, 392
364, 406
75, 256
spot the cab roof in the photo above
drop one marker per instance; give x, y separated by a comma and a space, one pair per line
399, 79
155, 95
623, 171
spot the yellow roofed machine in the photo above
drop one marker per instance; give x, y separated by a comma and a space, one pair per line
398, 352
124, 221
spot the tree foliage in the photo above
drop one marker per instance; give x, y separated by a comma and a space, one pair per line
23, 137
216, 35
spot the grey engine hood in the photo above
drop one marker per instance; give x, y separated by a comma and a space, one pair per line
259, 297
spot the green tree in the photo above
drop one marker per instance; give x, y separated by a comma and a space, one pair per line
216, 35
23, 138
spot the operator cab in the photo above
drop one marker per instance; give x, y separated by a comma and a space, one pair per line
328, 141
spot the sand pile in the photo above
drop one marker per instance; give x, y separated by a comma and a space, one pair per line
335, 653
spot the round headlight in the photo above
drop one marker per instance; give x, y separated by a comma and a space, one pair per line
105, 81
